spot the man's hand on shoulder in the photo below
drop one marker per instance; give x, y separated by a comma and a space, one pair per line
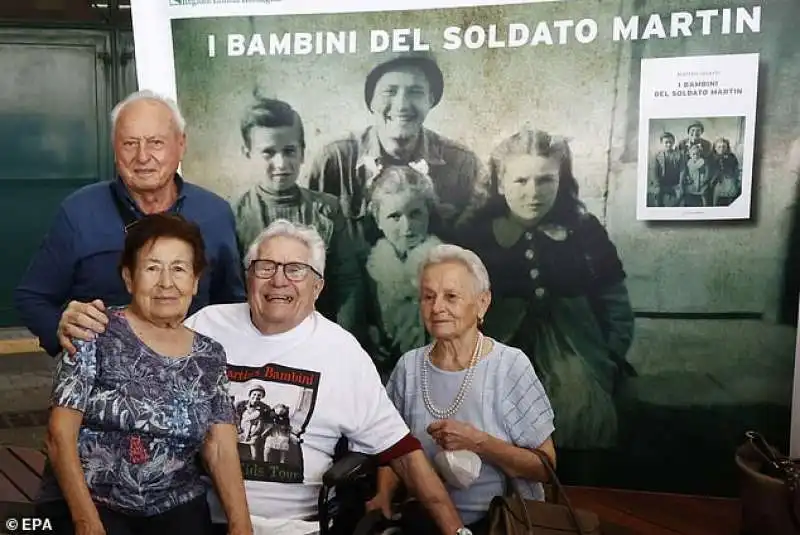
83, 321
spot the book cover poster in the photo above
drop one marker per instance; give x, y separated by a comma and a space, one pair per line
697, 132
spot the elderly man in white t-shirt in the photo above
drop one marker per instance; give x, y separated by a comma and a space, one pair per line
319, 372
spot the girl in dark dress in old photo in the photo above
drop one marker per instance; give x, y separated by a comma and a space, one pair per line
727, 179
558, 288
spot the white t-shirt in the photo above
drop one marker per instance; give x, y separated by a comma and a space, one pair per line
296, 393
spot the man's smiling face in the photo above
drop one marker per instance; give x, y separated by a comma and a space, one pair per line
278, 304
401, 102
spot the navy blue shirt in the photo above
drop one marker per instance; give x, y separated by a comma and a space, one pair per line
79, 257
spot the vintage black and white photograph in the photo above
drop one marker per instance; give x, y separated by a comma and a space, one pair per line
658, 345
271, 417
695, 162
697, 137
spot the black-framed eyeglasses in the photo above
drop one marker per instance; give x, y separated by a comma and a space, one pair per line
294, 271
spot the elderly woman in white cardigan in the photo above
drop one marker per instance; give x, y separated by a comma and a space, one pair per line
466, 392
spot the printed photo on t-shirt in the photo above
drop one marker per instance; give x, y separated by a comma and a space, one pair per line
273, 406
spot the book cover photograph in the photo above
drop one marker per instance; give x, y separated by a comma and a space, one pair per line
697, 130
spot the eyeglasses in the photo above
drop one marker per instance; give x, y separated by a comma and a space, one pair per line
294, 271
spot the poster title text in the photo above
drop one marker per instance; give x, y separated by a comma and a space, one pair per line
512, 35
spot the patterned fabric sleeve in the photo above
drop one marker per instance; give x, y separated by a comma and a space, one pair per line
526, 410
222, 403
74, 377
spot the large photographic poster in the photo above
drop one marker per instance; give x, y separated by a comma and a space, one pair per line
659, 342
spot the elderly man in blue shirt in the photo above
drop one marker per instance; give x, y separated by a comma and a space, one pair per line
76, 269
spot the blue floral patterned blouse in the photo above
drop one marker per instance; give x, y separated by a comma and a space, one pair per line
145, 418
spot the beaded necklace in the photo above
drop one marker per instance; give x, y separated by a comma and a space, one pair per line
436, 412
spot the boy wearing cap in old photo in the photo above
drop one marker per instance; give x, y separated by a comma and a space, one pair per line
273, 144
254, 415
399, 93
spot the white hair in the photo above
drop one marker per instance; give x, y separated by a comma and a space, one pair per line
147, 94
306, 235
447, 252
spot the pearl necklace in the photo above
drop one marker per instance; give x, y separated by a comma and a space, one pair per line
436, 412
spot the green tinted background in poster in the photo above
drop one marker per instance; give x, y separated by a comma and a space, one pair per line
714, 335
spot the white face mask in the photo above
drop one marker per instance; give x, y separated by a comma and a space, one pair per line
458, 468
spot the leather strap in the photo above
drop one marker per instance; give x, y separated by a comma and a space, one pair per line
561, 495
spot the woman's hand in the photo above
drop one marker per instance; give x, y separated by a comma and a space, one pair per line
453, 435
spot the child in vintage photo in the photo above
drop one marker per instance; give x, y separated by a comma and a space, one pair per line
696, 178
669, 163
727, 174
255, 417
278, 438
273, 149
402, 201
558, 290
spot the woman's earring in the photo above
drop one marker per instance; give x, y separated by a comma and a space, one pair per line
480, 321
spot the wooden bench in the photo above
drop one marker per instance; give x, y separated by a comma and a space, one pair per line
622, 512
20, 473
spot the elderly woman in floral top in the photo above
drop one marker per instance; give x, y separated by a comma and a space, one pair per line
137, 408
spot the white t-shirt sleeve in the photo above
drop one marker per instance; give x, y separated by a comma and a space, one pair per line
374, 425
199, 321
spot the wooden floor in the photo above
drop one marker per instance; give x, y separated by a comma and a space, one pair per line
647, 513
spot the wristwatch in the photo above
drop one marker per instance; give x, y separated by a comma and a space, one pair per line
463, 531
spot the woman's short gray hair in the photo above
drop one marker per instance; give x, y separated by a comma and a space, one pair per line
448, 252
306, 235
147, 94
